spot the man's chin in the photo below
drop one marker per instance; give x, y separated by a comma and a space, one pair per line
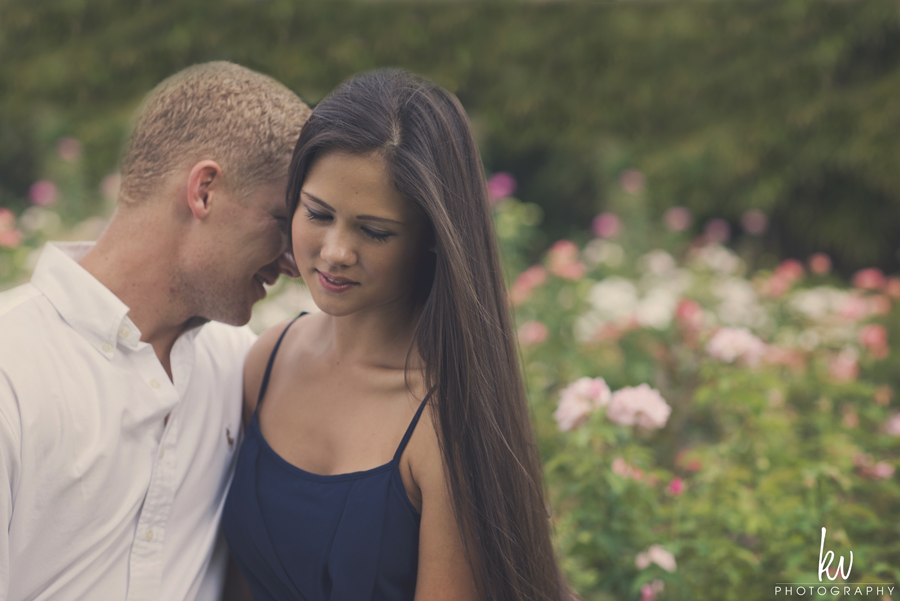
236, 317
195, 322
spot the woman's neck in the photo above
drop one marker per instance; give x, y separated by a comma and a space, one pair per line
378, 337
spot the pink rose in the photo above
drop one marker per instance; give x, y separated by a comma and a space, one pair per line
754, 222
869, 279
854, 308
622, 468
717, 231
883, 395
820, 263
578, 400
7, 219
676, 486
43, 193
527, 281
789, 357
843, 366
790, 269
880, 304
689, 314
869, 469
570, 271
639, 405
731, 344
10, 238
892, 426
775, 286
532, 332
651, 589
874, 337
632, 181
658, 555
678, 219
684, 461
501, 185
69, 149
606, 225
882, 470
892, 287
564, 262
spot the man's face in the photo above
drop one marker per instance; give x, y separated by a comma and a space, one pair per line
245, 247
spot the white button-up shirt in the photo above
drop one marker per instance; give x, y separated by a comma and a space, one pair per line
105, 499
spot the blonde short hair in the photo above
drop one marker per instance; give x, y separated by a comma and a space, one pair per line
245, 121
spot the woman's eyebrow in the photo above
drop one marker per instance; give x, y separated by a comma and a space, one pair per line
317, 200
373, 218
362, 217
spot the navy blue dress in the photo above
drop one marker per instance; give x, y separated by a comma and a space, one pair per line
302, 536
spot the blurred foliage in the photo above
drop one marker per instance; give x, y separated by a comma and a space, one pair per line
782, 386
787, 106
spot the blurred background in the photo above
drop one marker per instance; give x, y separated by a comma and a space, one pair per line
703, 197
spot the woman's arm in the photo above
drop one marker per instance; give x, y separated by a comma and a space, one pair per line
236, 587
444, 571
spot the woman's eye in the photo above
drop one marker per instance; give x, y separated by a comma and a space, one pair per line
376, 235
316, 216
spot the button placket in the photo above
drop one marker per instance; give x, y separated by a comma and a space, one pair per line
147, 562
146, 558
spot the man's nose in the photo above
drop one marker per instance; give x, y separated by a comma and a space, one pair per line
287, 265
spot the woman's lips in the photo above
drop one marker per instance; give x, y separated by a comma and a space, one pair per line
335, 283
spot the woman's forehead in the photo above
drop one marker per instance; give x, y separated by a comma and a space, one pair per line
357, 183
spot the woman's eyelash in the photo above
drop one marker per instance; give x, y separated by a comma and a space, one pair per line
313, 216
379, 236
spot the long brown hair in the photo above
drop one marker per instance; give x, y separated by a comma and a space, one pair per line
464, 333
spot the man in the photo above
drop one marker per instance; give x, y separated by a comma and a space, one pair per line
120, 407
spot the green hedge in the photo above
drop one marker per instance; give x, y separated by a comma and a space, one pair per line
788, 106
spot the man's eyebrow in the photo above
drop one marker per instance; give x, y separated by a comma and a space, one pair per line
363, 217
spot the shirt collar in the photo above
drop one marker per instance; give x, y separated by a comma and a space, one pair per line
82, 301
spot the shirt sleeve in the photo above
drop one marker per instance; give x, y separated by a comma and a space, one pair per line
10, 445
247, 338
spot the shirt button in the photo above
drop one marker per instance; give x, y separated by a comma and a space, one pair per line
154, 383
107, 347
149, 535
124, 331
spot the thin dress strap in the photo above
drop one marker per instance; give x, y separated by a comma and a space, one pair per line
265, 380
412, 426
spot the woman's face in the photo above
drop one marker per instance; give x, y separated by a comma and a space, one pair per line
357, 242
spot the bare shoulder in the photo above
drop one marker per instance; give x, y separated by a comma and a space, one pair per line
424, 451
258, 358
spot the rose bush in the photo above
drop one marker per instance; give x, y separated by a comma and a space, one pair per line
748, 410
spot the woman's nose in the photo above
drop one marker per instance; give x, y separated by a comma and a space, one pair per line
337, 249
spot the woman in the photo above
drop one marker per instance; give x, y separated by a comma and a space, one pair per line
337, 493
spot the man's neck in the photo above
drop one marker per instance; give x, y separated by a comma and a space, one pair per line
137, 267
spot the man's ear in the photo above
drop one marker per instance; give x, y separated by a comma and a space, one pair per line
204, 181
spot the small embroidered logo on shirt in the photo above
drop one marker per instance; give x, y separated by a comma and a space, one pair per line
229, 438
